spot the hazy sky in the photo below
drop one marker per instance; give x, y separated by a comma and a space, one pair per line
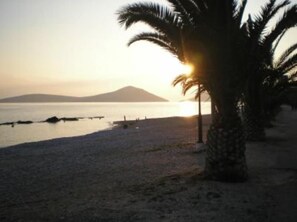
76, 48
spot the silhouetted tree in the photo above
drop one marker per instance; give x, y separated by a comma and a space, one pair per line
209, 35
263, 39
279, 79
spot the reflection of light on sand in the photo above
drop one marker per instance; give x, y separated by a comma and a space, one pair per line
187, 108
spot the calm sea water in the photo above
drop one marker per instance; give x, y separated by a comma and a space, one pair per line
111, 112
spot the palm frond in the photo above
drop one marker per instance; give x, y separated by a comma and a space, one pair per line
186, 9
158, 17
180, 79
286, 55
240, 12
187, 84
288, 20
221, 13
260, 21
292, 77
290, 64
267, 13
201, 5
273, 47
160, 40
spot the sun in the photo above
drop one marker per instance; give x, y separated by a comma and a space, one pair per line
186, 69
157, 63
182, 68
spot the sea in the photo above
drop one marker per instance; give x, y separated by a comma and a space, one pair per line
38, 112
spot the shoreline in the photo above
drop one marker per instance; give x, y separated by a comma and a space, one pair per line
107, 128
23, 133
147, 172
114, 126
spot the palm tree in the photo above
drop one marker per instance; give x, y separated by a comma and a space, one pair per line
279, 76
209, 35
262, 44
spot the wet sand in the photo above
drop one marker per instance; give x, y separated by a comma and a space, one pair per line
147, 172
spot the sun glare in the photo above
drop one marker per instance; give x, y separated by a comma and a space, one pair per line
159, 63
188, 109
186, 69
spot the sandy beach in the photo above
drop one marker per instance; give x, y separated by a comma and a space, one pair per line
147, 172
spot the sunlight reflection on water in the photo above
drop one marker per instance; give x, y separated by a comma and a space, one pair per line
188, 108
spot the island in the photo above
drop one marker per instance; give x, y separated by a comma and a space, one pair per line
126, 94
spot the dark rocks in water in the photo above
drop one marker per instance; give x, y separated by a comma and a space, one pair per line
18, 122
7, 124
70, 119
56, 119
53, 119
98, 117
24, 122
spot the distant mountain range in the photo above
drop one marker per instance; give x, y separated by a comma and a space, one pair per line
126, 94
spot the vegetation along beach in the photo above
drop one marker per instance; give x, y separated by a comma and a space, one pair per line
236, 162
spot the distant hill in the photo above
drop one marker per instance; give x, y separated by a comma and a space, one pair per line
126, 94
36, 98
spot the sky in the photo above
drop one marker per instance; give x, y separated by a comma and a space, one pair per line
77, 48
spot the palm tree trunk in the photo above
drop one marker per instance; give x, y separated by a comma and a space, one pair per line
225, 156
253, 117
254, 124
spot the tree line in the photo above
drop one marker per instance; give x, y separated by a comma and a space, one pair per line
233, 59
